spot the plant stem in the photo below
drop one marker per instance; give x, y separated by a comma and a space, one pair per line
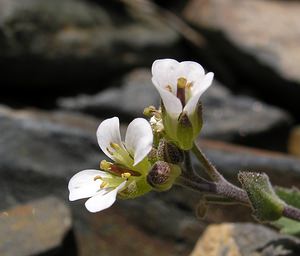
291, 212
210, 169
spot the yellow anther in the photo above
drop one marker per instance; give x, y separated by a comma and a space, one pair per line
98, 177
125, 175
105, 165
181, 82
104, 184
169, 88
114, 146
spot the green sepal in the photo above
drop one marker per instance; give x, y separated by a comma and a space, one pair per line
267, 206
136, 187
197, 120
185, 135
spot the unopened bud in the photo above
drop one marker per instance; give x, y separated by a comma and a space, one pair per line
267, 206
168, 152
162, 175
152, 155
149, 111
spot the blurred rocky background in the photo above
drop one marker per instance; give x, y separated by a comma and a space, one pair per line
68, 64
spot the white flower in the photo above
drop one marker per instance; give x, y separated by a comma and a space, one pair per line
180, 85
88, 183
137, 144
127, 176
169, 76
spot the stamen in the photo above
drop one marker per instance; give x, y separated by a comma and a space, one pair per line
104, 184
98, 177
125, 175
115, 146
105, 165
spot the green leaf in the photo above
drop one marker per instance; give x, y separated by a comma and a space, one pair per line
291, 197
267, 206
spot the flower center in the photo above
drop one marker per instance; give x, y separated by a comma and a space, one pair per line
117, 170
120, 154
183, 90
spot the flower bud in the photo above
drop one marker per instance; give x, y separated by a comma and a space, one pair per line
267, 206
168, 152
162, 175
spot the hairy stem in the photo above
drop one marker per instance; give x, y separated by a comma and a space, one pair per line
291, 212
209, 168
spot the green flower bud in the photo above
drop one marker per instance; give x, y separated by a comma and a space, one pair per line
169, 152
162, 175
267, 206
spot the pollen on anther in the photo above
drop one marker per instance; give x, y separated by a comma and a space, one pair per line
98, 177
125, 175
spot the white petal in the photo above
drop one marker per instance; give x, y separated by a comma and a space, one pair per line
171, 102
200, 88
102, 201
83, 185
139, 139
109, 132
190, 70
202, 85
163, 73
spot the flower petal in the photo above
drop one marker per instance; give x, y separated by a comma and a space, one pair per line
83, 185
109, 132
102, 201
202, 85
139, 139
200, 88
190, 70
171, 102
163, 73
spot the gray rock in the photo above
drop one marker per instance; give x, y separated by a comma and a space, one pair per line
245, 239
226, 116
37, 228
39, 151
129, 100
259, 54
272, 37
74, 41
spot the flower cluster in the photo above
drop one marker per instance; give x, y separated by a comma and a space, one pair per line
150, 156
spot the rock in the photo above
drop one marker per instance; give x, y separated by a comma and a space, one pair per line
71, 43
236, 117
266, 36
230, 159
244, 239
113, 233
37, 228
48, 147
226, 115
129, 100
45, 147
260, 54
294, 141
